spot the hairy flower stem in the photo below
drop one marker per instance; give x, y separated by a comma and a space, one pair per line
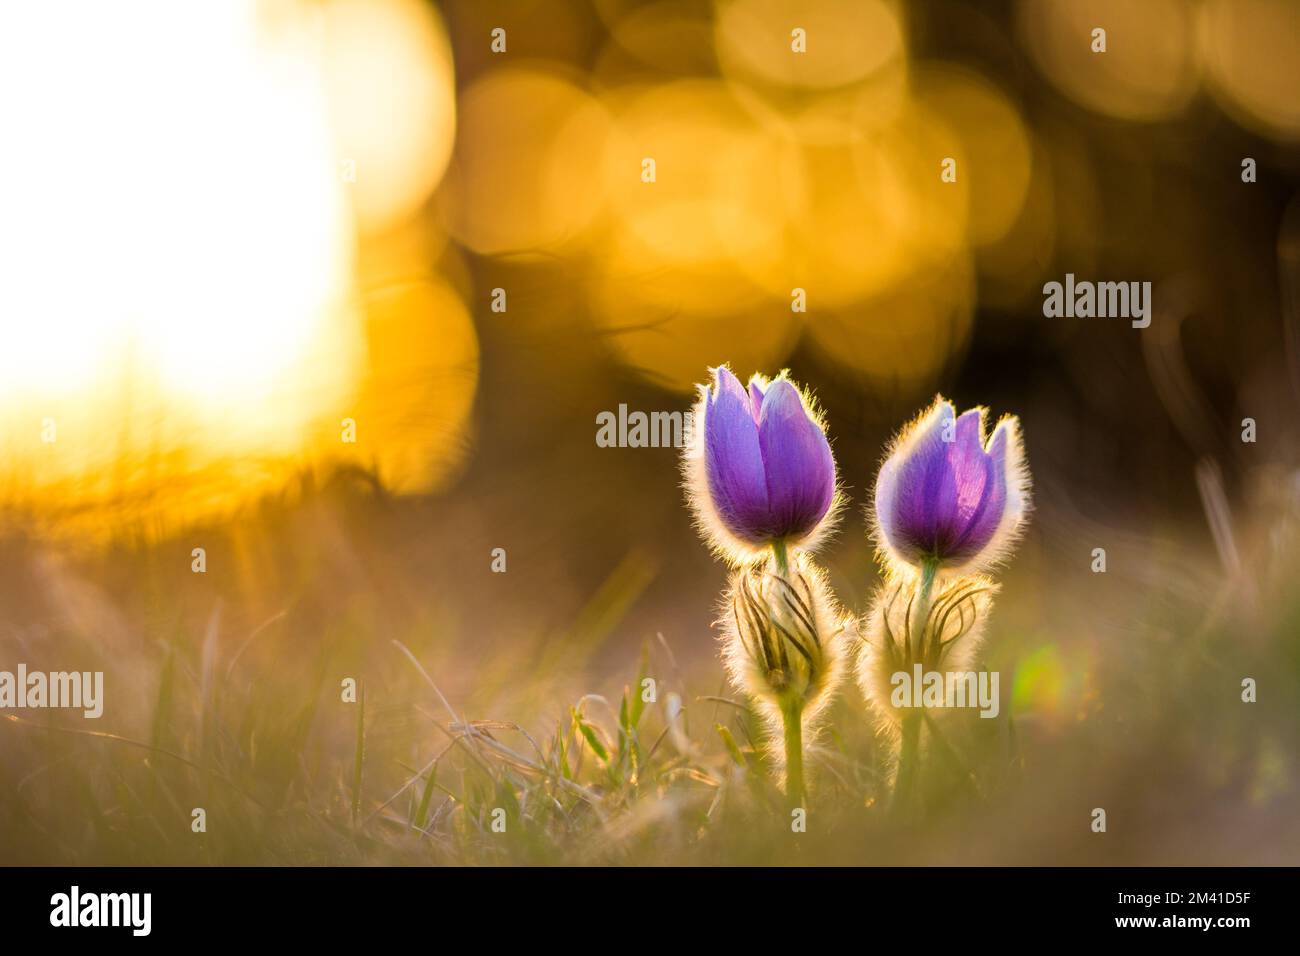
782, 558
909, 754
929, 567
792, 716
908, 757
791, 707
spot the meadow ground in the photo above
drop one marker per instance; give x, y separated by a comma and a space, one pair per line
226, 692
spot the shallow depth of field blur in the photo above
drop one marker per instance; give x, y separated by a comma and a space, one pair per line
234, 235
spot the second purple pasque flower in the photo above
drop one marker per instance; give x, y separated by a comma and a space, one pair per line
949, 498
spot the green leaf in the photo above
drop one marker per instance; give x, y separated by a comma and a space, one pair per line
638, 701
562, 743
589, 734
422, 811
360, 755
624, 732
732, 747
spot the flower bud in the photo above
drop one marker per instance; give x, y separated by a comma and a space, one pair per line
899, 633
783, 639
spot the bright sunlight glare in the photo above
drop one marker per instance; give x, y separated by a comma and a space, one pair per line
174, 232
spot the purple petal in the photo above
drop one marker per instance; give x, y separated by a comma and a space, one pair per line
887, 503
983, 522
797, 460
921, 486
968, 477
733, 460
756, 395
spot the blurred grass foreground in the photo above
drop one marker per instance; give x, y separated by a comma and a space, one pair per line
310, 311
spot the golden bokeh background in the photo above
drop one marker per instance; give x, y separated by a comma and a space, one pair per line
233, 274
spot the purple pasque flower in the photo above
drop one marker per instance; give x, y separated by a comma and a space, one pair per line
947, 496
760, 470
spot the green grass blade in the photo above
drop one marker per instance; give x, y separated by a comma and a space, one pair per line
360, 756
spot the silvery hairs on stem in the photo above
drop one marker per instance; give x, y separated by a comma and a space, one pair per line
784, 638
898, 634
